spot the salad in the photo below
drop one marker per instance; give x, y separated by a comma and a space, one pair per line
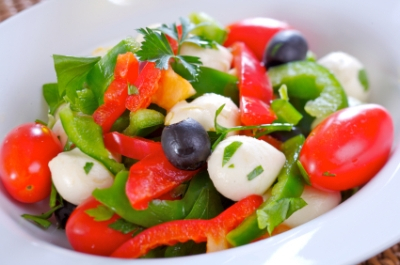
196, 137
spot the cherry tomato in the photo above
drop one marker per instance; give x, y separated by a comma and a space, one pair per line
348, 148
24, 157
93, 237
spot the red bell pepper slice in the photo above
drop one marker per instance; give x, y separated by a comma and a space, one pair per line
147, 85
126, 72
254, 111
152, 177
255, 33
255, 89
133, 147
212, 231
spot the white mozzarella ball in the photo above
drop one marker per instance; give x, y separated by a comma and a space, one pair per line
349, 72
70, 179
203, 109
234, 180
318, 203
219, 59
58, 130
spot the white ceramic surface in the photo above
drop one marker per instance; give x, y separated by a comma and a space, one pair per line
361, 227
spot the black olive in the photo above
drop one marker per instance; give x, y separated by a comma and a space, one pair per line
186, 144
63, 213
283, 136
285, 46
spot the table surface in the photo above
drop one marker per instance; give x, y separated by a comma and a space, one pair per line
9, 8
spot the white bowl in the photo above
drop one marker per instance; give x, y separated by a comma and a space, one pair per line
359, 228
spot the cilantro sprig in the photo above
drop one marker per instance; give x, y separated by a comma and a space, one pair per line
156, 47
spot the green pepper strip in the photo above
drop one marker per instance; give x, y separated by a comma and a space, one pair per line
101, 75
158, 211
309, 80
143, 122
87, 136
289, 186
212, 29
211, 81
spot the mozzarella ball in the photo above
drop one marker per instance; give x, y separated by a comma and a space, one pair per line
318, 203
203, 109
349, 72
70, 179
58, 129
252, 168
219, 59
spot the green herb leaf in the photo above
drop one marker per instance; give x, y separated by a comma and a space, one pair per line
363, 78
41, 220
88, 166
328, 174
231, 166
255, 172
125, 227
100, 213
155, 48
229, 151
132, 90
71, 75
191, 63
278, 211
52, 97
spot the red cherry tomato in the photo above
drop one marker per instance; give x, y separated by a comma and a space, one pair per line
93, 237
348, 148
254, 32
24, 157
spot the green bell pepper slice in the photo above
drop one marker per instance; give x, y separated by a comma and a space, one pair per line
212, 30
285, 197
311, 81
143, 122
101, 75
158, 211
211, 81
88, 137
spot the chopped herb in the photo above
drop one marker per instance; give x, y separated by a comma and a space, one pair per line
230, 151
328, 174
40, 122
231, 166
88, 166
255, 172
132, 90
42, 220
100, 213
125, 227
363, 78
283, 92
156, 48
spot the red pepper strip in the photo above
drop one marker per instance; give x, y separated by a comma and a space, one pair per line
133, 147
255, 89
125, 73
170, 233
152, 177
174, 43
255, 33
147, 85
254, 111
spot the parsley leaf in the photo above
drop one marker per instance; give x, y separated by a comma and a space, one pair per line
125, 227
255, 172
155, 48
88, 166
229, 151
